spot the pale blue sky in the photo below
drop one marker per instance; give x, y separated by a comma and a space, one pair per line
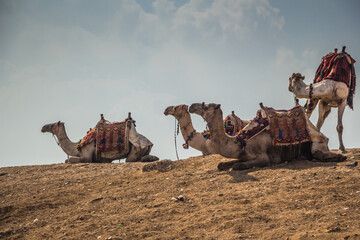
72, 60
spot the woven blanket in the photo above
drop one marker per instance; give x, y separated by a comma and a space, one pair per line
288, 127
109, 136
338, 67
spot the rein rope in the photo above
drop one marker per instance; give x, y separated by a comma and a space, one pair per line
176, 132
58, 143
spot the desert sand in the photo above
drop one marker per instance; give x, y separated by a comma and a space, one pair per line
189, 199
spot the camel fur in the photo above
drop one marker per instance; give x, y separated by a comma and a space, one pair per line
259, 150
139, 146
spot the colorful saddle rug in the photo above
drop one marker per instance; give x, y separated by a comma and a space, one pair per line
90, 137
111, 136
338, 67
288, 127
108, 136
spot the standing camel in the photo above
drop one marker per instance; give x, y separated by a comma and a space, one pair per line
333, 87
258, 151
137, 152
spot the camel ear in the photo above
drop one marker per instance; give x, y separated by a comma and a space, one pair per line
217, 106
58, 123
303, 77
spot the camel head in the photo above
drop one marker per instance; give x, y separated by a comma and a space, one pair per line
296, 80
52, 127
176, 111
207, 111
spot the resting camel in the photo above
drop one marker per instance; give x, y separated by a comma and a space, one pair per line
192, 138
259, 150
329, 93
196, 139
87, 154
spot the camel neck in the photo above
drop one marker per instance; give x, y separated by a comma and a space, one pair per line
69, 147
224, 143
302, 90
186, 125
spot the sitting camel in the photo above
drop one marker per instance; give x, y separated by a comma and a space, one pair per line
195, 139
192, 138
333, 87
257, 151
138, 146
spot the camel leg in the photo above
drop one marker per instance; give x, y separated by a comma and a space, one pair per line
222, 166
328, 156
308, 110
73, 160
324, 111
339, 127
258, 162
140, 155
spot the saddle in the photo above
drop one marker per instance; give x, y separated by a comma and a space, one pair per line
338, 67
108, 136
288, 127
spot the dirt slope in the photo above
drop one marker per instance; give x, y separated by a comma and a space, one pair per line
296, 200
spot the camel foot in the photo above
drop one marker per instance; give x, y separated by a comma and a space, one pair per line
342, 150
225, 165
149, 158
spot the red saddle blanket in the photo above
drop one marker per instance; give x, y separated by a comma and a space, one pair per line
111, 136
288, 127
338, 67
108, 136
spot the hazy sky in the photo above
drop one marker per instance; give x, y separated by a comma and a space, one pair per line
72, 60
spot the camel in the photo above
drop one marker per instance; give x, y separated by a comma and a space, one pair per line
329, 93
259, 150
192, 138
139, 146
195, 139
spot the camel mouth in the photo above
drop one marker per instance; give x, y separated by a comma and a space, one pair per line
169, 110
46, 128
194, 107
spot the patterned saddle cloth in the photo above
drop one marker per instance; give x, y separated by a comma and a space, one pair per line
338, 67
288, 127
107, 136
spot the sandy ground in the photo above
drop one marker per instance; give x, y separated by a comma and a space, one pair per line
296, 200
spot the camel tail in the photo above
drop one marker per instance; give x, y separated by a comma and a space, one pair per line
352, 86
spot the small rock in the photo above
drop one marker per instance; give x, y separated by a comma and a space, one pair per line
35, 220
220, 194
180, 198
161, 166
